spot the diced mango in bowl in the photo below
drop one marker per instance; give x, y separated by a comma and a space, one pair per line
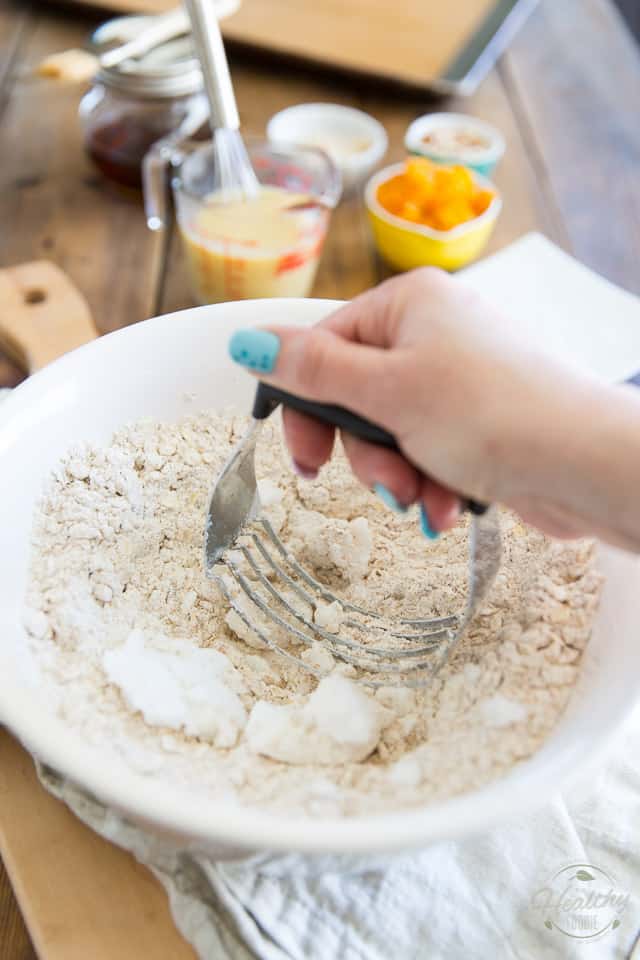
434, 196
425, 214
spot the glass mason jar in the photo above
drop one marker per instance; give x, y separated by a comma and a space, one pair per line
239, 249
130, 107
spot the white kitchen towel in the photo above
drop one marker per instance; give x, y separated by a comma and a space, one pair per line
557, 304
472, 899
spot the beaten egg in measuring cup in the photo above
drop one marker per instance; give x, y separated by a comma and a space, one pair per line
267, 246
241, 248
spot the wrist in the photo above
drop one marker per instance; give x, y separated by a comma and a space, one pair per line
583, 456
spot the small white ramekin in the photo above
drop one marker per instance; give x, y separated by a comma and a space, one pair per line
308, 123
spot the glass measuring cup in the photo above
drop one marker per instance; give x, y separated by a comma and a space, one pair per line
240, 249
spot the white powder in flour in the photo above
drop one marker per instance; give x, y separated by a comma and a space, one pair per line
194, 693
338, 723
140, 652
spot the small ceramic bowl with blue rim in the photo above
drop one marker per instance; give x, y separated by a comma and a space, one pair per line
456, 138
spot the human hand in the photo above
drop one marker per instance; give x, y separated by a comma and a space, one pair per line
475, 411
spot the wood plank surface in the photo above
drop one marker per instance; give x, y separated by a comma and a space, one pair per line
13, 25
57, 205
15, 942
574, 79
13, 30
565, 96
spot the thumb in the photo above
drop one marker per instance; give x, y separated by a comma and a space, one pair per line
317, 364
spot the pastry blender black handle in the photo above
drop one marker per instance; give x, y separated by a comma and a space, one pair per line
268, 398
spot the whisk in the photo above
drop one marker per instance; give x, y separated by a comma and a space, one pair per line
233, 175
272, 593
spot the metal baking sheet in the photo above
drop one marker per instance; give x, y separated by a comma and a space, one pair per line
425, 44
479, 54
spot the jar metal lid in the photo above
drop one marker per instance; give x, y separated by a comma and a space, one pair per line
170, 70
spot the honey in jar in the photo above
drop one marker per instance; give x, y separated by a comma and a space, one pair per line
130, 107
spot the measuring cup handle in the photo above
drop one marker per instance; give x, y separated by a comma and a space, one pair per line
267, 398
155, 184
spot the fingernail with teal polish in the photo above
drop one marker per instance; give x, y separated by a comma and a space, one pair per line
425, 526
255, 349
388, 498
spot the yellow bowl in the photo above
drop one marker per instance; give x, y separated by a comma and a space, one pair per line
405, 245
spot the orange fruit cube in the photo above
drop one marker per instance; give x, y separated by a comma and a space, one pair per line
390, 187
462, 182
451, 214
453, 182
392, 194
411, 211
482, 201
419, 178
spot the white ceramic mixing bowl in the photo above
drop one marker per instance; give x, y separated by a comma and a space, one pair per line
168, 367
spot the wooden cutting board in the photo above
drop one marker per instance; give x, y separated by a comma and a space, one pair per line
410, 42
422, 43
82, 898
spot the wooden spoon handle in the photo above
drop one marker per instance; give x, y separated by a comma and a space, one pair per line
42, 314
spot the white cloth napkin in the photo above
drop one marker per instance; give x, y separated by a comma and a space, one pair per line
470, 899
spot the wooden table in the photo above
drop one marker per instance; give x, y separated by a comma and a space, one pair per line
565, 96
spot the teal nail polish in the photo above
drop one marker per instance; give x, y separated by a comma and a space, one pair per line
255, 349
388, 498
425, 526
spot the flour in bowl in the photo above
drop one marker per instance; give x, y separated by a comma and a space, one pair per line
141, 653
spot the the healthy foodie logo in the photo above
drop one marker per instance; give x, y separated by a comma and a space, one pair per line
580, 901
